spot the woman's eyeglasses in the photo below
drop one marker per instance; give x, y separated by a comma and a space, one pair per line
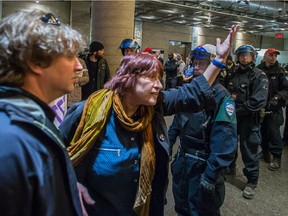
50, 19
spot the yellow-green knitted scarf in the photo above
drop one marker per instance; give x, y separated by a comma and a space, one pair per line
95, 114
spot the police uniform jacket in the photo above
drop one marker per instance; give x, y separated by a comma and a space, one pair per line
36, 174
249, 87
191, 97
278, 82
218, 139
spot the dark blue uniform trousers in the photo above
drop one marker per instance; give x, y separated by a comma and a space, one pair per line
250, 139
190, 199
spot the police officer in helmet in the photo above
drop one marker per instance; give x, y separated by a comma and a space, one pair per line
208, 142
249, 87
128, 46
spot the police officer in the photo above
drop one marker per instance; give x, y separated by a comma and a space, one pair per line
128, 46
249, 87
277, 97
208, 142
170, 68
285, 132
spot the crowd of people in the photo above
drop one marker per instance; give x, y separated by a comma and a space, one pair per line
111, 154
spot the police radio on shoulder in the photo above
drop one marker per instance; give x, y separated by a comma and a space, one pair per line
218, 64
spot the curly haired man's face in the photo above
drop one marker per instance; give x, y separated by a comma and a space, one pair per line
61, 75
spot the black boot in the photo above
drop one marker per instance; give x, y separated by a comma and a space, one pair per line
275, 164
265, 156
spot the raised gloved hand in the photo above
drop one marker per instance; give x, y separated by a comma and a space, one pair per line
274, 101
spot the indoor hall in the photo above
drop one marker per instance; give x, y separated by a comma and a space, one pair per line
271, 193
179, 26
170, 26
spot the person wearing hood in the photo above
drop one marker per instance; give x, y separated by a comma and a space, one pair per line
277, 97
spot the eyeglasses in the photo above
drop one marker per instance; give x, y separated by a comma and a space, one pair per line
50, 19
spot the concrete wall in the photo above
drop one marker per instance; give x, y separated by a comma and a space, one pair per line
111, 22
80, 19
158, 35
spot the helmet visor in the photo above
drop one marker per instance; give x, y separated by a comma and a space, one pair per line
199, 54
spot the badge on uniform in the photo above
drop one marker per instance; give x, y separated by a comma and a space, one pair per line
230, 108
227, 111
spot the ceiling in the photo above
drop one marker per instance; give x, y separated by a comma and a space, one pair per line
255, 17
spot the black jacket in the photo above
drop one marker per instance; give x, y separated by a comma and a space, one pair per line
249, 87
170, 68
97, 78
278, 82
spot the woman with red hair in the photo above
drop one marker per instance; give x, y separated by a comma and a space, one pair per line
117, 139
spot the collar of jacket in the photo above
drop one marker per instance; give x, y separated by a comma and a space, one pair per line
20, 103
22, 108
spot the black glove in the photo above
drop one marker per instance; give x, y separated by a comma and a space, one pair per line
274, 101
208, 198
207, 185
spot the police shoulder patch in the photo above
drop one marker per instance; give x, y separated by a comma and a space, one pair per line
226, 111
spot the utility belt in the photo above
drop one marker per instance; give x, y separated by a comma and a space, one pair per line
191, 152
194, 143
201, 155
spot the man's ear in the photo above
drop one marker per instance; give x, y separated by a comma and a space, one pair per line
35, 68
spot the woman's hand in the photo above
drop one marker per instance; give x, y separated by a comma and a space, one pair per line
84, 196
